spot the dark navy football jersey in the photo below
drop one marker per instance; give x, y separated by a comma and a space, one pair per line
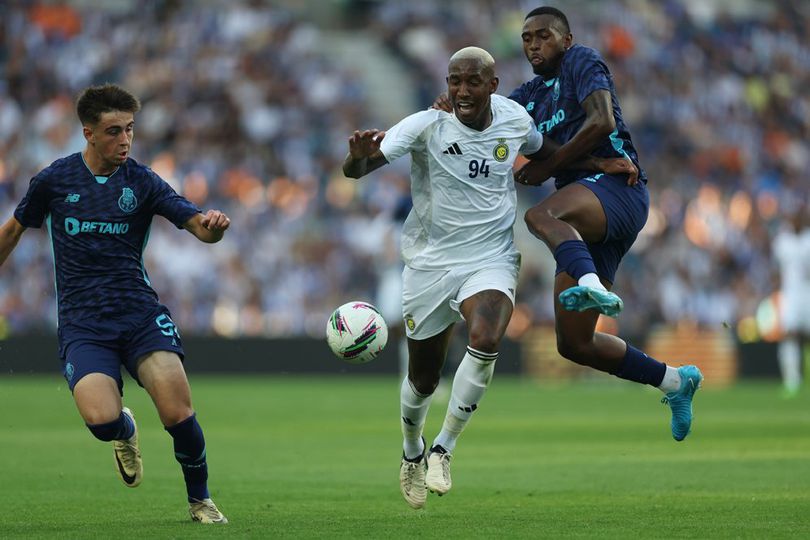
555, 106
99, 227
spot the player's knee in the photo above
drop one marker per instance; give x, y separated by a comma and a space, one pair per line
484, 340
425, 384
534, 218
538, 219
103, 427
577, 352
97, 417
174, 415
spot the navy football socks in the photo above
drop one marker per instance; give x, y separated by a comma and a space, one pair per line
189, 450
573, 257
117, 430
638, 367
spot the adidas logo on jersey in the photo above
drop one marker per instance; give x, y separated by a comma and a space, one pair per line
453, 150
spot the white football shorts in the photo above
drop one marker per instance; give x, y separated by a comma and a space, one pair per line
431, 299
795, 311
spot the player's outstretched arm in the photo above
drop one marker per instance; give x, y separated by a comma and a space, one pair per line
209, 227
364, 153
10, 234
538, 169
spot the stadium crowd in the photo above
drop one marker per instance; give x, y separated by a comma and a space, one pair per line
244, 110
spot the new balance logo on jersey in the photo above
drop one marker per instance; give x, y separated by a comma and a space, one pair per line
453, 150
73, 197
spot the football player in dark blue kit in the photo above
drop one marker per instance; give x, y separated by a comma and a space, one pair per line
591, 221
98, 206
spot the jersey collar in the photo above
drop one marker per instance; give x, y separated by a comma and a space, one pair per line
101, 179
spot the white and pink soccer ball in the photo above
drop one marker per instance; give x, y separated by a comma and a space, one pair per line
356, 332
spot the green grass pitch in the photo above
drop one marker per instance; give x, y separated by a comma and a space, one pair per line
298, 457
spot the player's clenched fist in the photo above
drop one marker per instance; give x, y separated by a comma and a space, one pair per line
214, 220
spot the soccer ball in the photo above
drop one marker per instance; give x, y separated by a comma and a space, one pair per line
356, 332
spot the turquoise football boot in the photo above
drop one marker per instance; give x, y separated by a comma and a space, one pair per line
581, 298
680, 401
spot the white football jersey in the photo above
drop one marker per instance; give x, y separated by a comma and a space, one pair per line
792, 253
463, 191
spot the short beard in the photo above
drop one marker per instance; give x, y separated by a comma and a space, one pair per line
542, 71
548, 69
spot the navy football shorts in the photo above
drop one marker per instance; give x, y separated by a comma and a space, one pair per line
626, 208
96, 345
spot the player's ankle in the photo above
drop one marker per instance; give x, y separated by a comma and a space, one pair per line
591, 280
671, 381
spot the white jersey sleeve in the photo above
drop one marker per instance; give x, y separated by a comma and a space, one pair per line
534, 140
407, 135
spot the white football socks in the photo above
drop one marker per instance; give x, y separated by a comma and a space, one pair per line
790, 357
469, 385
414, 408
672, 380
591, 280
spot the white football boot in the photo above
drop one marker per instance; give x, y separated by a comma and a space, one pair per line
412, 481
438, 478
128, 463
205, 511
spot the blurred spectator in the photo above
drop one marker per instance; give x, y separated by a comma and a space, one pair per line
792, 254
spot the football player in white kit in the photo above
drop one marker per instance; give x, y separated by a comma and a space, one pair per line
457, 245
791, 248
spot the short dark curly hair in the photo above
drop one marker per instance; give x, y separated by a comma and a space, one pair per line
554, 12
96, 100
